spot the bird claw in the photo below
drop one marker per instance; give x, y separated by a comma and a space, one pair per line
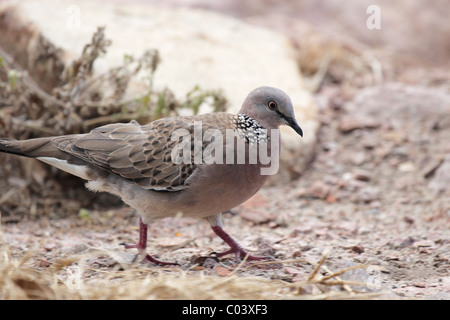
235, 248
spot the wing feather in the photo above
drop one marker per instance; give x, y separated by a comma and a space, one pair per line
141, 153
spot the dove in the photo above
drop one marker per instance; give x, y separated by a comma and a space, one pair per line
197, 166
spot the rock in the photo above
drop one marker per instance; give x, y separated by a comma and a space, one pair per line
408, 220
357, 249
362, 175
258, 216
419, 284
366, 194
350, 123
197, 47
358, 158
318, 189
424, 243
431, 167
407, 166
406, 243
369, 142
394, 101
77, 248
221, 271
440, 183
399, 151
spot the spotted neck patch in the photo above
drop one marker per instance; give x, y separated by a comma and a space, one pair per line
249, 129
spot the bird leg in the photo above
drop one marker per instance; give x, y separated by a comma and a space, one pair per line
235, 247
142, 245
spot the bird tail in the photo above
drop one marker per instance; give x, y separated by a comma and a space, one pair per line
11, 146
32, 148
44, 149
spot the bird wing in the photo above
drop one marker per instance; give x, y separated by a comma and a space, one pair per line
142, 154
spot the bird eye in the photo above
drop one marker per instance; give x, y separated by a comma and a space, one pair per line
272, 105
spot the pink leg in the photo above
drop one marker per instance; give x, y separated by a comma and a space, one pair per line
142, 245
235, 247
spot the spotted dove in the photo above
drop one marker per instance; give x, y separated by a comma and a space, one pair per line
197, 166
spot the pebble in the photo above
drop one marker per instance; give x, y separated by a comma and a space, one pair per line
318, 189
78, 248
407, 167
358, 158
362, 175
349, 124
258, 216
423, 243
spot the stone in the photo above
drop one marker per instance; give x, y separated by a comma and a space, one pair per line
350, 123
318, 190
440, 182
362, 175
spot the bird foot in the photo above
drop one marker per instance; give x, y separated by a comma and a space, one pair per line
235, 248
142, 245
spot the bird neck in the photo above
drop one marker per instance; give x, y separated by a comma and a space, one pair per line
250, 129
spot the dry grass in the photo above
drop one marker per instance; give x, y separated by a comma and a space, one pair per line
73, 277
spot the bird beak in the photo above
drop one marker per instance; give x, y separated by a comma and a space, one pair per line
294, 125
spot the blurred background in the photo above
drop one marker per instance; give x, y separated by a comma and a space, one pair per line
417, 30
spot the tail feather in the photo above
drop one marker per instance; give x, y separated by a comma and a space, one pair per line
11, 146
32, 148
45, 150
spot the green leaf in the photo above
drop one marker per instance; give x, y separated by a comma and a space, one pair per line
84, 214
12, 79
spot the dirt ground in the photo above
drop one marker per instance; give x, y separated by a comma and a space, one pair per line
375, 201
